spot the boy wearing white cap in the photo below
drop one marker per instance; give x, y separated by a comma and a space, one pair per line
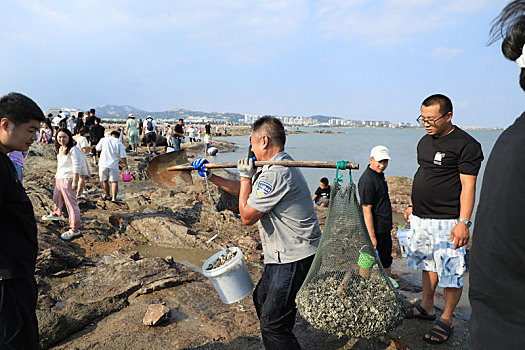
377, 210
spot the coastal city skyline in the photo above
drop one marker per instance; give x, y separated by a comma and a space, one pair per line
373, 60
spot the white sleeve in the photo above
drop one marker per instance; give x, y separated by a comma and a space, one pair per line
121, 149
98, 147
75, 159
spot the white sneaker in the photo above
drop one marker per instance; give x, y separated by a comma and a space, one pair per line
87, 191
82, 196
69, 234
51, 217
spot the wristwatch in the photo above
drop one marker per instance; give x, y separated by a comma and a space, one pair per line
466, 222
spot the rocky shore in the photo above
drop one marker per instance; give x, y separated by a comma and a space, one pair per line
146, 249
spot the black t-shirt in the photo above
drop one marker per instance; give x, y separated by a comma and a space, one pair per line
373, 190
90, 120
18, 242
97, 133
178, 128
497, 257
208, 129
322, 193
437, 187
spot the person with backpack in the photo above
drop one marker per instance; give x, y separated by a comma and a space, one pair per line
96, 133
150, 134
62, 123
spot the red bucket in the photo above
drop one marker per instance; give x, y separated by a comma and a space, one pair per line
126, 177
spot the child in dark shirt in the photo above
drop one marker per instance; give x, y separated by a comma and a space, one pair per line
322, 194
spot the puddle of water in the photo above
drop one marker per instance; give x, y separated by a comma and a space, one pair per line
192, 258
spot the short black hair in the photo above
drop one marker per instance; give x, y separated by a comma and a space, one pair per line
445, 104
115, 133
92, 111
181, 120
271, 127
20, 109
84, 130
97, 120
324, 180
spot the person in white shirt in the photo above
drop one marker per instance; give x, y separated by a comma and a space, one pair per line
150, 134
111, 151
67, 176
56, 120
191, 133
85, 167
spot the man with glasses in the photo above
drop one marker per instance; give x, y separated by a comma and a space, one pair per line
442, 202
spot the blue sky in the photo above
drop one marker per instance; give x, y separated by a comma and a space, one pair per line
357, 59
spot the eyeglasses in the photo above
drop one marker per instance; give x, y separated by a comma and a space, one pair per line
421, 120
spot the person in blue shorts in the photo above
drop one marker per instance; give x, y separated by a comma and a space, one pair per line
442, 200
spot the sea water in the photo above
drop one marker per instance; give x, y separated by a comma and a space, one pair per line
354, 145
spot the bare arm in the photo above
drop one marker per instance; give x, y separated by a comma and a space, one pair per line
369, 222
249, 215
460, 232
230, 186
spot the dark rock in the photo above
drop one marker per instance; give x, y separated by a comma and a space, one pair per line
55, 255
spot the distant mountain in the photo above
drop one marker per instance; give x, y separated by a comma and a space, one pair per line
121, 112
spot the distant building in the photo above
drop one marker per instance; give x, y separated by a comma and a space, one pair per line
250, 118
54, 111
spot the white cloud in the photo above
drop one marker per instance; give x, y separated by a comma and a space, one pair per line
236, 29
445, 52
380, 22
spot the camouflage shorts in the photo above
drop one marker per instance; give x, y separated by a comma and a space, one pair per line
430, 249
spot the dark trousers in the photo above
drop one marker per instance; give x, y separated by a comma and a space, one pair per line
384, 248
274, 300
18, 323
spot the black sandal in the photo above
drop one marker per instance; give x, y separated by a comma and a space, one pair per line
423, 314
439, 333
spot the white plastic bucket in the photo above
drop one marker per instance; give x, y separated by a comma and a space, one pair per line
232, 280
402, 237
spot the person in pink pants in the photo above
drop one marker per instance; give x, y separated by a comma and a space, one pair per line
67, 176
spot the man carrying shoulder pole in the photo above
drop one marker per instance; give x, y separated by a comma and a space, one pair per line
278, 200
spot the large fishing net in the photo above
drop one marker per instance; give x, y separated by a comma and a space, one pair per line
346, 291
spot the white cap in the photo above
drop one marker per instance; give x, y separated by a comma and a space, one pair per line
380, 153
